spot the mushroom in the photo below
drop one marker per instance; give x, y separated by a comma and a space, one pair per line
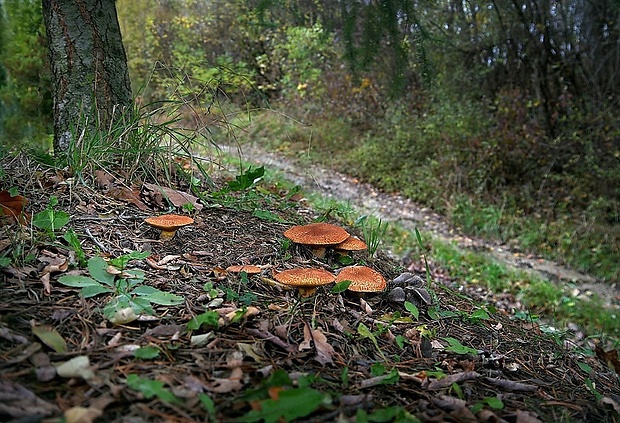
305, 279
317, 236
168, 224
250, 269
363, 279
352, 243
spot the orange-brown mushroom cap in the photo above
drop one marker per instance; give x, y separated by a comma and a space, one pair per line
250, 269
317, 236
305, 279
351, 244
169, 223
363, 279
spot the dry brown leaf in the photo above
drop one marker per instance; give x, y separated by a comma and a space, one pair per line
610, 358
447, 381
12, 208
177, 198
103, 179
225, 385
128, 195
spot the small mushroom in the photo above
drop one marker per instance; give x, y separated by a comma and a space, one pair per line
363, 279
408, 279
397, 295
350, 244
317, 236
168, 224
305, 279
250, 269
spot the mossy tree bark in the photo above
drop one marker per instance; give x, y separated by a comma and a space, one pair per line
91, 86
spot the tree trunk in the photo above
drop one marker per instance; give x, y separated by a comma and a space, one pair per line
90, 79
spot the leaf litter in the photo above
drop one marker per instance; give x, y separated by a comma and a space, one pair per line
264, 354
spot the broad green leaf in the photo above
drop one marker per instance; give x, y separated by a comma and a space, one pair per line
122, 261
494, 402
480, 314
340, 287
156, 296
137, 274
98, 269
151, 388
146, 353
458, 348
290, 405
5, 261
586, 368
50, 219
77, 281
50, 337
94, 290
411, 308
246, 179
209, 318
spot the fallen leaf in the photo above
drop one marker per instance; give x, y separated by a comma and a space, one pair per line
18, 402
129, 195
447, 381
177, 198
76, 367
103, 179
87, 414
224, 385
324, 351
610, 358
50, 337
12, 208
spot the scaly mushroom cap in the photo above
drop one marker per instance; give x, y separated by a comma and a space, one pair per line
250, 269
306, 279
317, 236
168, 223
363, 279
351, 244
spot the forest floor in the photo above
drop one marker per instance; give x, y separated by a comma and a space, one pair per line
267, 355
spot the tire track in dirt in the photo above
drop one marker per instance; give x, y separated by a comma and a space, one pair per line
395, 208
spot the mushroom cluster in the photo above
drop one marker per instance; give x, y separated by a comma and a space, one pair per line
409, 287
318, 237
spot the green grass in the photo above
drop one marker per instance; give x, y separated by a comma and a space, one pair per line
410, 159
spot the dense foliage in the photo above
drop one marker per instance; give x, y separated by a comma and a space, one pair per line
506, 106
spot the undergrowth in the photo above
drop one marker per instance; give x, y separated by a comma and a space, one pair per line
422, 160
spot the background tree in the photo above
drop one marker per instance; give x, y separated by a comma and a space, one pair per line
91, 84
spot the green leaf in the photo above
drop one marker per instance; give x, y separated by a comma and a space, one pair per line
209, 318
480, 314
122, 261
246, 179
13, 191
290, 405
456, 347
268, 216
50, 219
457, 390
146, 353
586, 368
411, 308
208, 405
156, 296
340, 287
50, 337
363, 330
77, 281
94, 290
5, 261
98, 269
151, 388
494, 402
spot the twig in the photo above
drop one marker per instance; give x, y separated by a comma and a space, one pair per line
97, 243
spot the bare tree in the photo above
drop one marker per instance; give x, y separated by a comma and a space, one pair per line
91, 86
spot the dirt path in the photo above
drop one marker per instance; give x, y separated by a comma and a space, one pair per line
367, 200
